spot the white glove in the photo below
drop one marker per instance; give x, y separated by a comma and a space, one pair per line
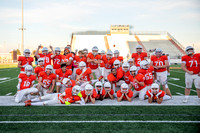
150, 93
70, 58
157, 95
18, 87
24, 65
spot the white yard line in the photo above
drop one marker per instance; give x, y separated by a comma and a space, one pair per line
179, 94
9, 94
177, 71
8, 80
119, 121
180, 86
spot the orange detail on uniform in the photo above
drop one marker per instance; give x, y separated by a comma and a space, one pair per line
139, 57
140, 78
86, 74
26, 81
107, 63
129, 94
62, 75
24, 61
47, 79
57, 61
192, 63
47, 59
148, 73
91, 64
161, 95
159, 62
94, 95
38, 69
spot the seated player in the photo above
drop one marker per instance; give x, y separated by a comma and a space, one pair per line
100, 91
25, 60
62, 73
156, 95
25, 84
89, 94
57, 58
40, 67
124, 93
109, 92
117, 57
71, 95
137, 81
148, 72
46, 79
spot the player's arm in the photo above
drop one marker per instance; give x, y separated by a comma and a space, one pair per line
140, 83
97, 61
150, 99
90, 60
53, 85
120, 98
183, 67
92, 99
61, 97
37, 51
32, 83
69, 62
130, 87
111, 96
91, 76
40, 82
133, 61
159, 100
164, 66
54, 54
19, 64
86, 98
128, 98
19, 83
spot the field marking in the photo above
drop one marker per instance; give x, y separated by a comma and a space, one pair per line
9, 94
179, 94
8, 80
177, 71
184, 115
7, 69
119, 121
180, 86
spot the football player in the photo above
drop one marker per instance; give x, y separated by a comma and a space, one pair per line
160, 64
89, 94
100, 91
68, 57
25, 84
130, 62
57, 58
117, 57
40, 67
124, 73
25, 60
117, 64
102, 53
109, 92
138, 56
191, 65
124, 93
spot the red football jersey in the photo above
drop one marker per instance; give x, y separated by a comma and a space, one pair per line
79, 59
111, 92
120, 58
69, 97
57, 61
47, 59
161, 95
159, 62
192, 63
24, 61
108, 64
26, 81
112, 78
38, 69
93, 65
103, 93
47, 79
140, 78
139, 57
86, 74
62, 75
148, 73
94, 95
129, 94
121, 74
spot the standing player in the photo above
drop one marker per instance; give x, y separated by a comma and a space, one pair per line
46, 79
138, 56
102, 53
160, 64
89, 94
191, 65
94, 61
124, 73
25, 84
124, 93
57, 58
45, 54
148, 72
137, 81
117, 57
68, 57
25, 60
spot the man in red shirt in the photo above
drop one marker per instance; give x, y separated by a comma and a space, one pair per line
40, 67
124, 93
46, 80
25, 84
89, 94
68, 57
137, 81
139, 56
57, 58
160, 64
117, 57
25, 60
191, 65
94, 60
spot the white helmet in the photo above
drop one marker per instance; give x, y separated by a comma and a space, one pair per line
125, 64
109, 54
117, 64
154, 85
102, 52
82, 64
27, 51
49, 67
45, 50
64, 81
158, 51
124, 88
130, 60
28, 70
189, 48
133, 68
144, 64
57, 50
67, 48
98, 84
116, 52
95, 48
88, 87
40, 63
107, 84
138, 46
75, 90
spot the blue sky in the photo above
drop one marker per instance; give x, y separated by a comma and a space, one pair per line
53, 21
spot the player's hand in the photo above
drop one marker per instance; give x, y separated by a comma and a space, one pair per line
190, 72
150, 93
18, 87
136, 81
39, 46
50, 47
49, 91
157, 95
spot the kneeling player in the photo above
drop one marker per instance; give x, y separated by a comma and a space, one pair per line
71, 95
89, 94
124, 93
26, 81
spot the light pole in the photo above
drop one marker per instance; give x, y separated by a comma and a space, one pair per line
22, 28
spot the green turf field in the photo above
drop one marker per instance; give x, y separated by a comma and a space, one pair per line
99, 113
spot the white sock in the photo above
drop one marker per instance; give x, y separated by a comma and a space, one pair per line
35, 99
186, 96
28, 96
166, 97
37, 104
